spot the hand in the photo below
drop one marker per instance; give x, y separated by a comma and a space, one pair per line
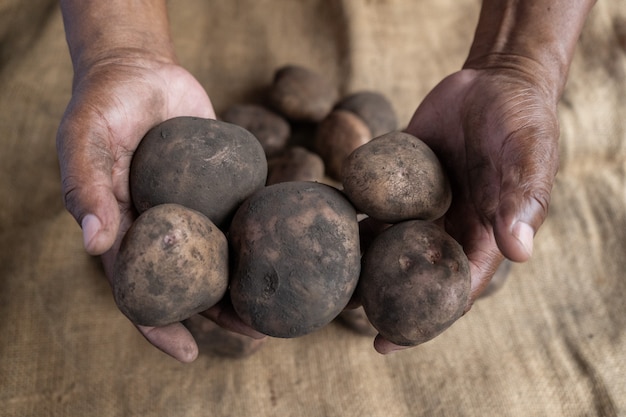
496, 132
114, 103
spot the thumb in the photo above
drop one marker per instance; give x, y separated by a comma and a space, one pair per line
87, 186
524, 200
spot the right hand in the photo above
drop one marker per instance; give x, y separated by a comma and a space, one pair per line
114, 103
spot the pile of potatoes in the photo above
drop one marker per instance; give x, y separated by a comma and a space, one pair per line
292, 209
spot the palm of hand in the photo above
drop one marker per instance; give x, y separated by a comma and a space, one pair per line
110, 111
112, 107
496, 134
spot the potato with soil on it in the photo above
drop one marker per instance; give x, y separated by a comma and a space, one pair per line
340, 133
373, 108
271, 129
207, 165
414, 283
296, 260
172, 263
295, 164
396, 177
301, 94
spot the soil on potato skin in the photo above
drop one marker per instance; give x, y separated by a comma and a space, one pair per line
204, 164
296, 258
414, 282
172, 263
396, 177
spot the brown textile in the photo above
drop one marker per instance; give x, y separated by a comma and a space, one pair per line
551, 342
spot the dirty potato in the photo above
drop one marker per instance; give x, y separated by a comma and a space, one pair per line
172, 263
414, 283
296, 258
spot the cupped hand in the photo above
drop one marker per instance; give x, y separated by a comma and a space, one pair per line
114, 103
496, 132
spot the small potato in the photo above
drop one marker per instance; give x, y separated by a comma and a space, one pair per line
301, 94
396, 177
340, 133
207, 165
271, 129
373, 108
295, 164
414, 283
172, 263
296, 258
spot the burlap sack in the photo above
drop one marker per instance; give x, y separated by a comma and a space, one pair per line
550, 343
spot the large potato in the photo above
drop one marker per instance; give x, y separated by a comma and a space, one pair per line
396, 177
172, 263
414, 283
296, 258
207, 165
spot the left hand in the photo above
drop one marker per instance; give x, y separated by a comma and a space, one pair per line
496, 133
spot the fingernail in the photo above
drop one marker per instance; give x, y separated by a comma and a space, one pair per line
525, 235
91, 226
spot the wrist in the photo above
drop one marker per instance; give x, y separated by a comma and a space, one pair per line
100, 32
535, 38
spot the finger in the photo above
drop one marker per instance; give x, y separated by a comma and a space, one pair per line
385, 347
515, 227
483, 266
525, 197
87, 186
173, 339
225, 316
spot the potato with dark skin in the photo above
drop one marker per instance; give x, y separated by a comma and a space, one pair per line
396, 177
373, 108
207, 165
300, 94
414, 283
296, 260
340, 133
172, 263
295, 164
271, 129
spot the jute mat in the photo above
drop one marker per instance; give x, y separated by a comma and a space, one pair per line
551, 342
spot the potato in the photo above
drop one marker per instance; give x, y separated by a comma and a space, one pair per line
172, 263
396, 177
373, 108
301, 94
414, 283
271, 129
295, 164
207, 165
296, 260
340, 133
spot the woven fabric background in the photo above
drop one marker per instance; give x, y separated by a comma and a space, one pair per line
551, 342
